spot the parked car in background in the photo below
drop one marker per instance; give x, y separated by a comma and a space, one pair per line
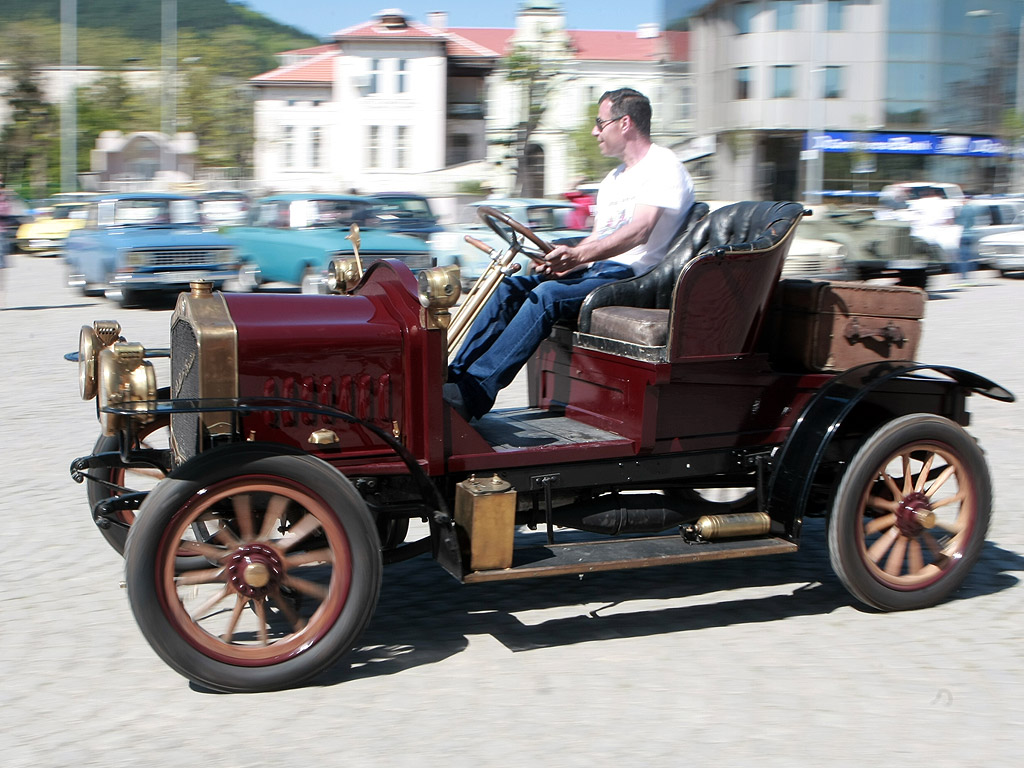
875, 247
47, 233
1003, 251
548, 218
291, 239
407, 213
142, 243
983, 217
223, 208
899, 196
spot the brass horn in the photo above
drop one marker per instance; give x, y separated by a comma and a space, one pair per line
501, 266
353, 235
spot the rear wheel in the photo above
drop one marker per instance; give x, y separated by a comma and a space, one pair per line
911, 513
293, 578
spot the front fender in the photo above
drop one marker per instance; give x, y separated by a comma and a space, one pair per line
802, 453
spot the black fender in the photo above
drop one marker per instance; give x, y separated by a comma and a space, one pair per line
798, 460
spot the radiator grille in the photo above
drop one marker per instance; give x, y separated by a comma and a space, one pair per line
184, 384
181, 257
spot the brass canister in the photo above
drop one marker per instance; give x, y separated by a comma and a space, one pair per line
485, 516
733, 526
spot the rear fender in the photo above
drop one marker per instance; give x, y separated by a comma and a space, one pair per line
803, 452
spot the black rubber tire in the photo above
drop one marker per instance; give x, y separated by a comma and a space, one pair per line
914, 278
344, 601
873, 519
97, 492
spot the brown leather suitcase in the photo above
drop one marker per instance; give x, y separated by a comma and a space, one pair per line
832, 326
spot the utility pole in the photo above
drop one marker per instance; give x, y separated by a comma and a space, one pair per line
69, 103
169, 54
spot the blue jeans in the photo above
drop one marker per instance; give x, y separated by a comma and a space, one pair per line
518, 317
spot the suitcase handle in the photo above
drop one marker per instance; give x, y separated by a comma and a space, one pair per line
889, 333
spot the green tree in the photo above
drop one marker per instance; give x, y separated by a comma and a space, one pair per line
590, 163
534, 67
29, 145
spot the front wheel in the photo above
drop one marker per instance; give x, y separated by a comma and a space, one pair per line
911, 513
293, 578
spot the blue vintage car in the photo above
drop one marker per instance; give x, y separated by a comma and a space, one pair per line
547, 218
291, 238
140, 243
407, 213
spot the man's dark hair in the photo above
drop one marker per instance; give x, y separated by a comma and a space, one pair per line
626, 101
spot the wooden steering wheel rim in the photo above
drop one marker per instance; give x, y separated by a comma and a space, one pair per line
491, 215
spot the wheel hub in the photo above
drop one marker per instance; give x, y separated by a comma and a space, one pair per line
914, 515
255, 570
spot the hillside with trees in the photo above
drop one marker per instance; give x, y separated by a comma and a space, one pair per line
220, 45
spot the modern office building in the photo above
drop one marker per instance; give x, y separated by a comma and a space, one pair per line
797, 97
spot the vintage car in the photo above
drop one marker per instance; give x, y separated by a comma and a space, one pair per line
407, 213
136, 244
48, 232
1003, 252
306, 432
548, 218
292, 238
979, 218
223, 207
875, 247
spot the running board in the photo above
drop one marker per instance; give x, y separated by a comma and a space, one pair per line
618, 554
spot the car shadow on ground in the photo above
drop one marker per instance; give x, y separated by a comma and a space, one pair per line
424, 616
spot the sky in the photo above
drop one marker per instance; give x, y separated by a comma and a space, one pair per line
323, 17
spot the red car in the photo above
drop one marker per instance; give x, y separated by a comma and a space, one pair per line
306, 432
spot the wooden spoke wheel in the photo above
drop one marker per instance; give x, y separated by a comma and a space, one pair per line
911, 513
293, 571
123, 479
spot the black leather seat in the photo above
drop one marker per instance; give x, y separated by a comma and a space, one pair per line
727, 288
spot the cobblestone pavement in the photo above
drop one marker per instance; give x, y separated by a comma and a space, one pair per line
765, 660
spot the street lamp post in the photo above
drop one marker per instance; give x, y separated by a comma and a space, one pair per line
69, 102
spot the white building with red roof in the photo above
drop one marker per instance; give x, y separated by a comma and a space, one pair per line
399, 104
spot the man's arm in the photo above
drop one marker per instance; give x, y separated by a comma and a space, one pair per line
564, 258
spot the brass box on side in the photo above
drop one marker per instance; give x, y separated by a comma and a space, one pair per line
485, 517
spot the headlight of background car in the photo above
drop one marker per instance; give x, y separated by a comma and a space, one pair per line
135, 258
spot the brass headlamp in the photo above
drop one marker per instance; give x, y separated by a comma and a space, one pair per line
123, 376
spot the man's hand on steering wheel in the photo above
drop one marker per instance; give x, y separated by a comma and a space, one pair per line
560, 260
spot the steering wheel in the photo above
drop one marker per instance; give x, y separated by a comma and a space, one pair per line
520, 238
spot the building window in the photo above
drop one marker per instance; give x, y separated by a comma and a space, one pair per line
744, 17
785, 15
743, 83
402, 146
836, 11
402, 78
684, 105
782, 87
373, 146
833, 82
288, 146
372, 86
315, 146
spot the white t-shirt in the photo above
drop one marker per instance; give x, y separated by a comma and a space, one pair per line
658, 179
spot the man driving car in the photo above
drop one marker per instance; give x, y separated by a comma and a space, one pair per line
640, 206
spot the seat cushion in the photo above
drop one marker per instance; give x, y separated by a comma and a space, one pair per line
646, 327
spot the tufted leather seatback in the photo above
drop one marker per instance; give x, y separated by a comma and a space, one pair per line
741, 226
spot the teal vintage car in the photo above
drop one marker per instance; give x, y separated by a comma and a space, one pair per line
291, 239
